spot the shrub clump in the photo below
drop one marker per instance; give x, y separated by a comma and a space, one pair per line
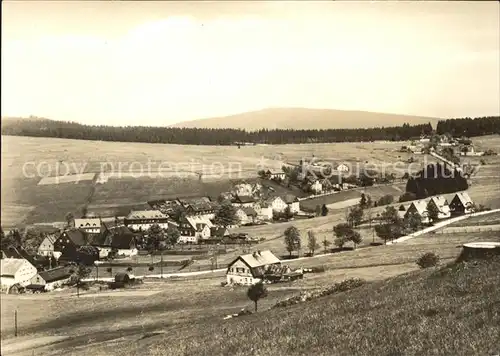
429, 259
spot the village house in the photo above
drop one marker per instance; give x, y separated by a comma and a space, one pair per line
418, 207
250, 269
46, 248
275, 174
442, 206
124, 245
199, 206
15, 271
142, 220
276, 204
219, 232
70, 240
342, 168
292, 202
194, 227
50, 279
243, 201
89, 225
246, 215
316, 187
264, 211
462, 204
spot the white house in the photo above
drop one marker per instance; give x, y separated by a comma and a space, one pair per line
144, 219
292, 202
277, 204
15, 271
316, 187
250, 269
275, 174
46, 248
243, 201
442, 206
418, 207
264, 211
194, 227
342, 168
90, 225
51, 279
462, 204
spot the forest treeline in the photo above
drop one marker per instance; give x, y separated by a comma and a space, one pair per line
37, 127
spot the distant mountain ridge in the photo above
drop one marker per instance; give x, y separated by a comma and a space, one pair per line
304, 118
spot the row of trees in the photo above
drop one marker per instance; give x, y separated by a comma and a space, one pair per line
470, 127
49, 128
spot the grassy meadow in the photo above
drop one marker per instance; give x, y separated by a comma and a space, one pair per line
184, 316
172, 170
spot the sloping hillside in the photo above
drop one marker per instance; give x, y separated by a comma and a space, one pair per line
454, 310
302, 118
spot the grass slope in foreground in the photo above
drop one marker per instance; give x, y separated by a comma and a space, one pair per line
454, 310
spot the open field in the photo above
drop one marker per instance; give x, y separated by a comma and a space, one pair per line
25, 157
186, 309
490, 219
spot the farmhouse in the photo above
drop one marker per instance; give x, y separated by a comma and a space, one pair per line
276, 204
250, 269
194, 227
89, 225
15, 271
292, 202
275, 174
264, 211
462, 204
246, 215
50, 279
418, 207
199, 206
70, 240
442, 206
143, 219
243, 201
46, 248
124, 244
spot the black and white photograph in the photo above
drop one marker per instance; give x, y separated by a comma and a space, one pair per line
250, 178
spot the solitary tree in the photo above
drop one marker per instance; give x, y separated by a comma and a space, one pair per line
413, 221
292, 239
226, 215
78, 274
355, 216
155, 237
312, 243
256, 292
345, 233
318, 210
324, 210
69, 219
433, 213
325, 244
173, 235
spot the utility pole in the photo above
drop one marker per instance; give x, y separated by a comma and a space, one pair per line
161, 263
15, 323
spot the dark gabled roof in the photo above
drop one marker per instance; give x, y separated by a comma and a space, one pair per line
243, 199
55, 274
249, 211
289, 198
218, 231
77, 237
19, 253
122, 242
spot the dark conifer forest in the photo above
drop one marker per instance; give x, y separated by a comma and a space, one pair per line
38, 127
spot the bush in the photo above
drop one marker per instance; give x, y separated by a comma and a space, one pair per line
427, 260
385, 200
407, 197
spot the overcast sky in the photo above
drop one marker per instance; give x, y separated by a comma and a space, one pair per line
158, 63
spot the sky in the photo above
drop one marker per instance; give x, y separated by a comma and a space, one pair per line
159, 63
